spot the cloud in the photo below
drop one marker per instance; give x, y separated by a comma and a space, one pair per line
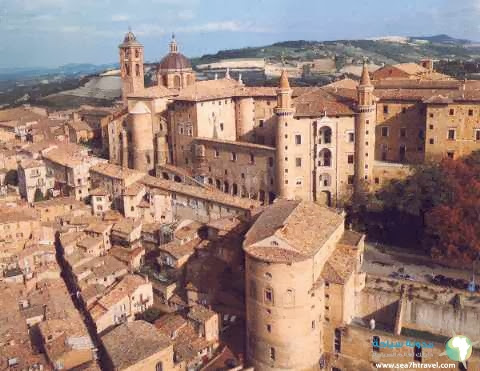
120, 18
225, 26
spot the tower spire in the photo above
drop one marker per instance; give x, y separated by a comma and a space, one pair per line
284, 84
365, 79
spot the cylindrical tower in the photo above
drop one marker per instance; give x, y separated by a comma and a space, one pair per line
245, 109
124, 154
284, 113
142, 146
283, 317
365, 131
131, 66
162, 149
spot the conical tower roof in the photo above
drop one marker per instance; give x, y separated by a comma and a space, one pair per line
284, 84
365, 79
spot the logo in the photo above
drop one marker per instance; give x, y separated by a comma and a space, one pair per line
459, 348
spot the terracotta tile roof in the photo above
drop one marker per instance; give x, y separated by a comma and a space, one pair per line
317, 102
208, 90
304, 226
116, 172
201, 193
132, 342
125, 287
21, 214
199, 313
99, 227
170, 323
179, 250
340, 265
232, 143
126, 225
156, 91
125, 255
99, 192
134, 189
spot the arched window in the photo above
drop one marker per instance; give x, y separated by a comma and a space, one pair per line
210, 181
226, 187
159, 366
127, 69
137, 53
234, 189
325, 135
165, 175
325, 158
137, 69
218, 184
176, 81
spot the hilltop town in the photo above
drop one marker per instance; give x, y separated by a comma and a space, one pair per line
203, 224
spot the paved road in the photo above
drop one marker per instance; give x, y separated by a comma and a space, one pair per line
383, 264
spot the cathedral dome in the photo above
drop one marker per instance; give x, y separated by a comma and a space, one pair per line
175, 61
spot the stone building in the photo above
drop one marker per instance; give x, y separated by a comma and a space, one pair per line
33, 177
296, 252
314, 143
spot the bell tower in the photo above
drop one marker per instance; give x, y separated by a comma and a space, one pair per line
131, 66
365, 130
284, 112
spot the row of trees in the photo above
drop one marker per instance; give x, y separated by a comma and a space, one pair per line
437, 208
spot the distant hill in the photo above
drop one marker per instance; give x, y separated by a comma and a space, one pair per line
442, 39
380, 50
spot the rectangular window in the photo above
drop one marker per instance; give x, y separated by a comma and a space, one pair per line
470, 112
377, 180
272, 354
403, 132
385, 109
477, 134
404, 110
431, 115
451, 134
338, 341
350, 179
221, 127
260, 123
431, 141
269, 295
451, 154
233, 156
452, 112
350, 159
217, 153
350, 137
384, 131
298, 162
298, 139
269, 328
252, 158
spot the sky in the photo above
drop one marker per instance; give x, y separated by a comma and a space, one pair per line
49, 33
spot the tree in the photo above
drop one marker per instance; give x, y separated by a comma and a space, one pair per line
452, 228
38, 196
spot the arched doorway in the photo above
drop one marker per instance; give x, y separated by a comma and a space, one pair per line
326, 198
